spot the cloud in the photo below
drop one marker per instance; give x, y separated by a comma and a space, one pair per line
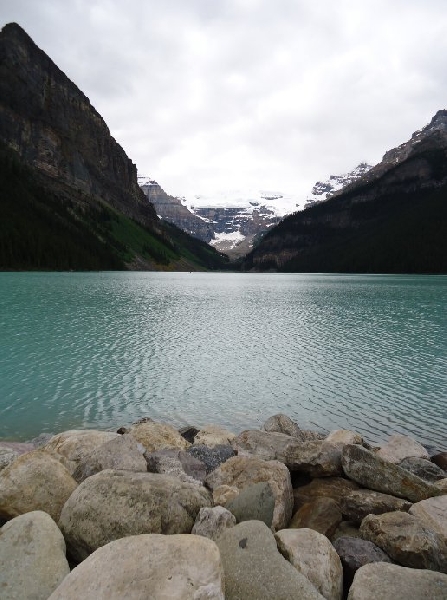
209, 95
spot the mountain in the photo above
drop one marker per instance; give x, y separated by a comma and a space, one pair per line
323, 190
393, 219
69, 195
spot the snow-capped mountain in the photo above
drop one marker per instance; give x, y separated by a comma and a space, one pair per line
323, 190
232, 220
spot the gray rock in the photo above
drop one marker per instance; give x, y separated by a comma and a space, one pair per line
255, 570
115, 504
432, 513
34, 481
399, 447
211, 457
281, 424
7, 456
314, 556
321, 514
342, 437
406, 540
381, 581
213, 435
355, 553
359, 503
42, 439
122, 453
73, 446
423, 468
241, 472
375, 473
160, 567
346, 529
318, 458
176, 462
210, 522
254, 503
32, 557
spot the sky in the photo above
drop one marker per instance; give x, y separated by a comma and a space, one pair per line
214, 95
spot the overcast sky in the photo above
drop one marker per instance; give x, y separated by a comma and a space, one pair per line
208, 95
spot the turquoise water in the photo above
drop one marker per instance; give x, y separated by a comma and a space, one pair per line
99, 350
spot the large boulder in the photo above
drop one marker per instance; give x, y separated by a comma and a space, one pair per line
423, 468
320, 514
157, 436
254, 503
7, 456
440, 460
375, 473
359, 503
212, 435
406, 540
211, 457
432, 513
115, 504
34, 481
73, 446
318, 458
239, 473
314, 556
328, 487
255, 570
121, 452
383, 581
342, 437
178, 463
178, 567
32, 557
399, 447
210, 522
355, 553
281, 424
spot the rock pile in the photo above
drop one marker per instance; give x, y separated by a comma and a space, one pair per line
203, 514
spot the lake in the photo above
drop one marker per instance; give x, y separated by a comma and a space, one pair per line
100, 350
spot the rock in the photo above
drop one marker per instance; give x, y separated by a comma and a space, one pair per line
115, 504
174, 567
355, 553
42, 439
255, 570
423, 468
344, 436
254, 503
440, 460
321, 514
375, 473
281, 424
399, 447
318, 458
210, 522
406, 540
328, 487
18, 447
157, 436
7, 456
34, 481
122, 453
441, 485
432, 513
178, 463
242, 472
211, 457
314, 556
72, 447
211, 436
359, 503
189, 432
32, 557
381, 581
346, 529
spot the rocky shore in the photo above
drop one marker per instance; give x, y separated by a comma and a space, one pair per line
202, 514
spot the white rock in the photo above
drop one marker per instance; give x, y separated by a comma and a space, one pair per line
399, 447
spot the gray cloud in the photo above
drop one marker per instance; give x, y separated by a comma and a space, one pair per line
209, 95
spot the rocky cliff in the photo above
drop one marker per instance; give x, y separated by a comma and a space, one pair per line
69, 195
393, 219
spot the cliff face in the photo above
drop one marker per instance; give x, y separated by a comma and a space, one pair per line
53, 127
393, 219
